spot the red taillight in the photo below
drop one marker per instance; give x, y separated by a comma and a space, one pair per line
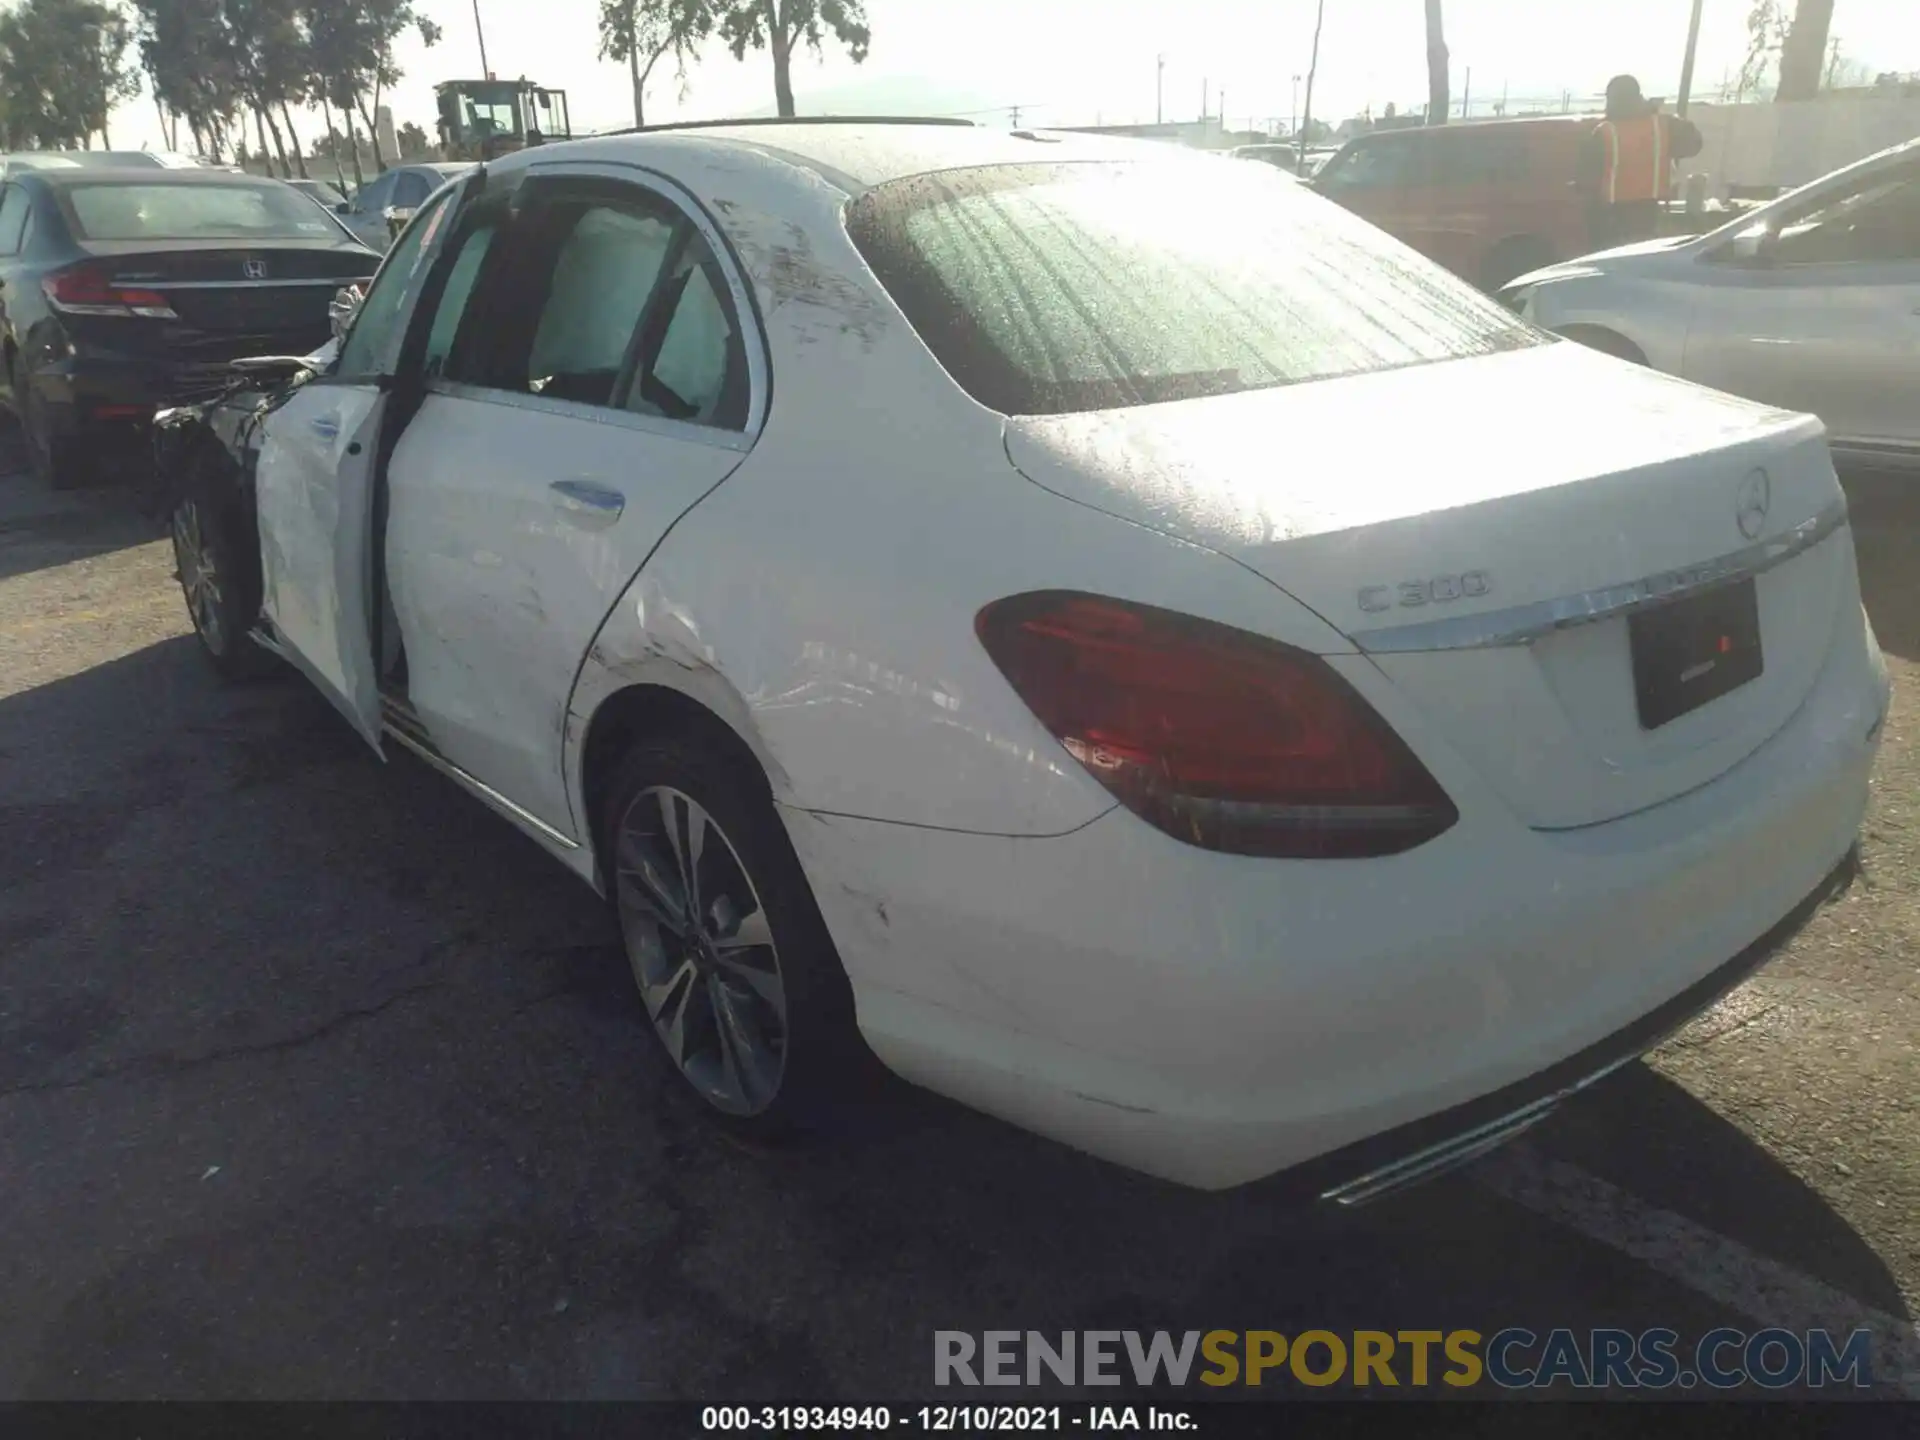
1221, 738
85, 290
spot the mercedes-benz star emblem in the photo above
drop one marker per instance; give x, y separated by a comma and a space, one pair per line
1750, 505
256, 269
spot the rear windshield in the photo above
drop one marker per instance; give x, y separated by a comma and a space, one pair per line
194, 212
1045, 289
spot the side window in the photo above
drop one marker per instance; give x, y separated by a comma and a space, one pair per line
608, 296
692, 360
461, 277
13, 220
411, 190
1372, 165
606, 272
1874, 222
372, 197
1474, 157
375, 338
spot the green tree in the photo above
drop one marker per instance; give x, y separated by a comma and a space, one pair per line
413, 141
63, 67
1766, 36
644, 32
779, 26
268, 50
189, 57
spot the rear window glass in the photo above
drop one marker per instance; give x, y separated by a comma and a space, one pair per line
1045, 289
194, 212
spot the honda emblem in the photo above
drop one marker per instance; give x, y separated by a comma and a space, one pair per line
256, 269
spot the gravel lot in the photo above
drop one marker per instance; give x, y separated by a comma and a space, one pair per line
318, 1081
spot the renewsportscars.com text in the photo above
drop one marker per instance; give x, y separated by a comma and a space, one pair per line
1513, 1358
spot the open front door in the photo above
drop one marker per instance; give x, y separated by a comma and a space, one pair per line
314, 489
316, 476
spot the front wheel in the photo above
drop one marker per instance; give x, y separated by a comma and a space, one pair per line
219, 576
733, 962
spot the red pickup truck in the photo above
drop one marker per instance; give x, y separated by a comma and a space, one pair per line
1489, 199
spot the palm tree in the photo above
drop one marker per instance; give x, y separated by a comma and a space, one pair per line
1803, 58
1439, 100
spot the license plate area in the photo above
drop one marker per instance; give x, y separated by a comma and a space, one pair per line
1694, 651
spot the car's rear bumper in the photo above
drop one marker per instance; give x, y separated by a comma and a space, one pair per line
1212, 1019
93, 390
1383, 1164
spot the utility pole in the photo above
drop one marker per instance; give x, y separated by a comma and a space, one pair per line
481, 30
1159, 91
1204, 85
1016, 116
1313, 69
1686, 66
1293, 120
1466, 95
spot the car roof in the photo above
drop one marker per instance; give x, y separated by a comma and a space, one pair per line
1476, 127
64, 178
859, 155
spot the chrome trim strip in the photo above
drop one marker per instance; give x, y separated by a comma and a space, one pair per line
1524, 624
1467, 1146
482, 789
1391, 1179
151, 283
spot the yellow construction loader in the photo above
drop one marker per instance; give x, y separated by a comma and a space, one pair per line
480, 119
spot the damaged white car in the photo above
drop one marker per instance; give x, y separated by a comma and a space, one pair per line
1131, 644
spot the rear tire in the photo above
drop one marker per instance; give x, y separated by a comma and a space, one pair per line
59, 462
216, 556
749, 1002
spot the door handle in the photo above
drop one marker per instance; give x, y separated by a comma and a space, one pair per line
588, 499
326, 427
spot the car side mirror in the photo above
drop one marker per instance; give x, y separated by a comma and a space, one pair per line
343, 309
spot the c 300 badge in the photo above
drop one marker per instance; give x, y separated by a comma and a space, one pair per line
1441, 590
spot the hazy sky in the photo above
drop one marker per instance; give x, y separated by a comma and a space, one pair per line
1077, 61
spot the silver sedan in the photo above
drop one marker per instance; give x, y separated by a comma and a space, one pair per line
1810, 303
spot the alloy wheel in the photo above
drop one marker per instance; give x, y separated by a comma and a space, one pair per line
702, 951
199, 575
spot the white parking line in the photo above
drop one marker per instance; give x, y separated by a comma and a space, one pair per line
1763, 1290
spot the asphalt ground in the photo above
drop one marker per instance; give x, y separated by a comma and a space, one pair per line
317, 1081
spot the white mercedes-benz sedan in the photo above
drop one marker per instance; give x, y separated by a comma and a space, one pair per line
1136, 647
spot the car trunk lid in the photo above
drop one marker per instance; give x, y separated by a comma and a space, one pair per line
1459, 521
229, 300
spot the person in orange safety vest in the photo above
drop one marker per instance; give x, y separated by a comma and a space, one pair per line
1626, 165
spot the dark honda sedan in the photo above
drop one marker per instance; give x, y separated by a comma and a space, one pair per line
125, 291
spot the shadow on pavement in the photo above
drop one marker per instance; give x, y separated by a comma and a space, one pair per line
1885, 511
322, 1082
40, 528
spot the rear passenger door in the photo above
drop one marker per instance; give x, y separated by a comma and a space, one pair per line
1455, 186
595, 382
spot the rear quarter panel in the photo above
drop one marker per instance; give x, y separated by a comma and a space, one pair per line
822, 601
